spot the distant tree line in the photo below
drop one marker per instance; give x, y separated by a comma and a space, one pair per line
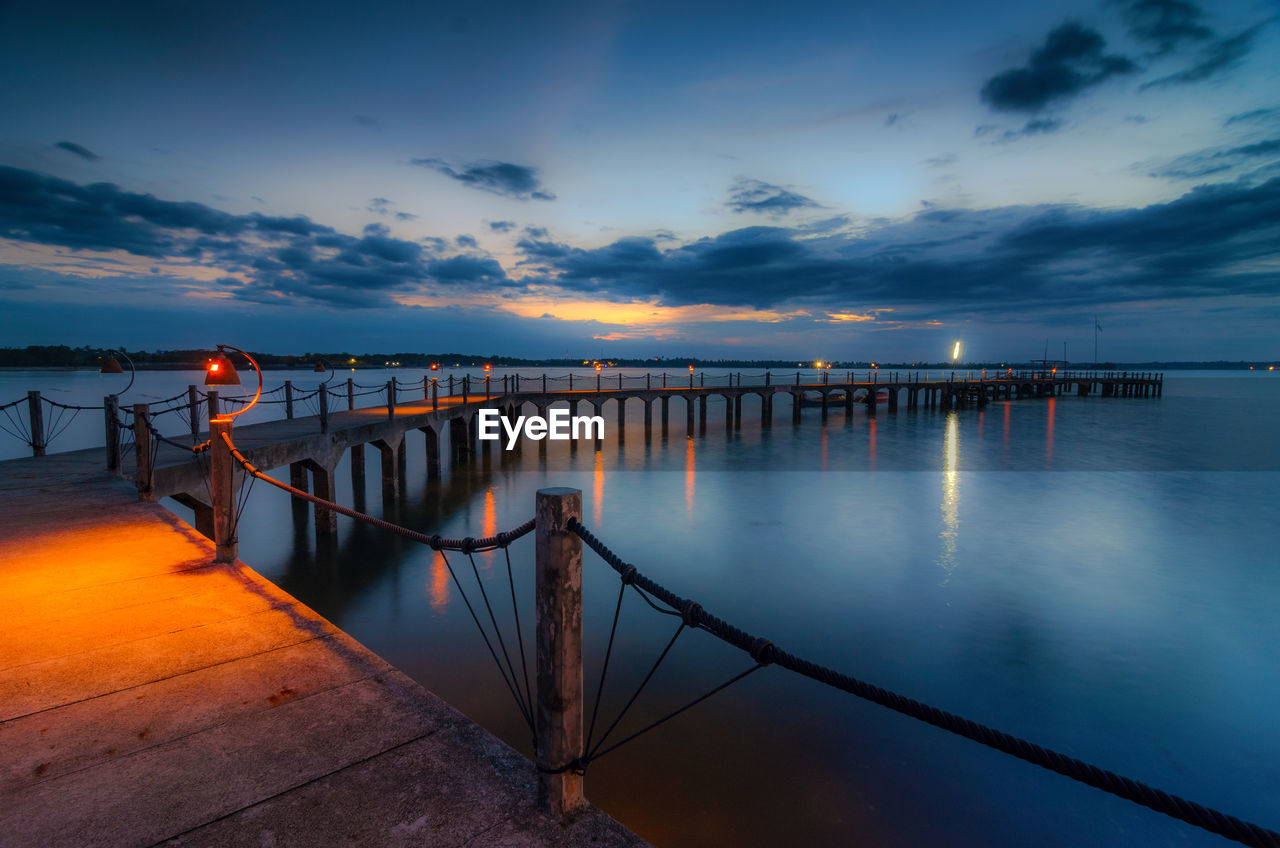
62, 356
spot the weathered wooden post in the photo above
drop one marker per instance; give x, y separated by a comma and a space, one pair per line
222, 488
486, 387
111, 417
435, 394
324, 408
391, 398
597, 381
466, 384
558, 598
193, 410
142, 448
351, 393
544, 382
35, 413
288, 399
767, 377
212, 401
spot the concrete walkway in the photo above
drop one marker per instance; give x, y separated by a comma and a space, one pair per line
148, 696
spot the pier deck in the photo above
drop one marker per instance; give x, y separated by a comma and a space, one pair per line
149, 696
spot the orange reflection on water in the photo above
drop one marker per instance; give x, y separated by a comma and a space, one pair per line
871, 442
597, 498
688, 476
1048, 432
438, 588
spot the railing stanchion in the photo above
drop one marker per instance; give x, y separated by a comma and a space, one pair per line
193, 411
142, 449
212, 401
351, 393
35, 413
391, 398
222, 489
324, 408
558, 625
288, 399
435, 394
111, 417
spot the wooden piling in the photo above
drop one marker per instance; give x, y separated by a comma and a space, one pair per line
111, 418
142, 448
193, 411
288, 399
222, 486
35, 415
558, 624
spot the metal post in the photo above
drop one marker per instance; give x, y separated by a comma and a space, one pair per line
288, 399
222, 488
35, 413
142, 448
193, 410
324, 408
111, 417
558, 624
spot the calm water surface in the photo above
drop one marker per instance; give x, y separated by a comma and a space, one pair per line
1097, 575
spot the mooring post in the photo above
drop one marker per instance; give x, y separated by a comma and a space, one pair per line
288, 399
193, 410
142, 448
111, 417
222, 488
324, 408
558, 622
35, 413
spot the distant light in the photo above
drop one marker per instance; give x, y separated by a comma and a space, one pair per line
818, 364
955, 351
487, 366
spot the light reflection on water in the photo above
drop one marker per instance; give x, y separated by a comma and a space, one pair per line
1108, 588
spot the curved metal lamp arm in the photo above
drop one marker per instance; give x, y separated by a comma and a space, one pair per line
332, 372
133, 372
223, 348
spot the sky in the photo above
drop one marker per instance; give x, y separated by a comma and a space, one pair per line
848, 181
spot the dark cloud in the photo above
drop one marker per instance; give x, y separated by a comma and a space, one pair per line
368, 121
1215, 59
747, 195
501, 226
1215, 240
82, 152
406, 216
271, 259
535, 232
1071, 60
942, 160
1165, 25
1255, 115
893, 118
504, 178
380, 206
1203, 163
1036, 126
466, 241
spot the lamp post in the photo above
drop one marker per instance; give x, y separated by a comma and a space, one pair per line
222, 471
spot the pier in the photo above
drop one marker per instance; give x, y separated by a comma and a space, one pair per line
150, 695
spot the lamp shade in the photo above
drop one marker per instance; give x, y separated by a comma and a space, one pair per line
220, 372
319, 369
111, 365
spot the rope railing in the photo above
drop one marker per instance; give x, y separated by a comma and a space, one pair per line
763, 652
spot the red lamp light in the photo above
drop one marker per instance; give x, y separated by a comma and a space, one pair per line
220, 372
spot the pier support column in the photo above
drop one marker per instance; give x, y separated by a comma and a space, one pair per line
795, 406
391, 450
648, 419
322, 484
848, 403
870, 402
202, 513
558, 649
766, 409
728, 414
298, 480
622, 419
357, 476
432, 439
666, 402
824, 406
688, 415
893, 401
702, 414
737, 412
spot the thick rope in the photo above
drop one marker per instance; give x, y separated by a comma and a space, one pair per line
764, 653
